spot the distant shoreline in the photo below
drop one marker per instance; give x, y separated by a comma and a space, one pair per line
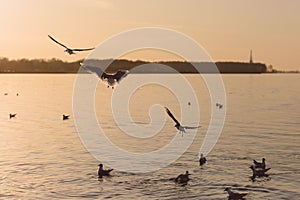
55, 66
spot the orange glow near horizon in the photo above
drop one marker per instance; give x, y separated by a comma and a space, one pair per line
227, 30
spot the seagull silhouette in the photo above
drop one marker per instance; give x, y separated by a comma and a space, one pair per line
259, 172
69, 50
234, 195
220, 106
103, 172
110, 79
183, 178
202, 160
66, 117
12, 115
178, 125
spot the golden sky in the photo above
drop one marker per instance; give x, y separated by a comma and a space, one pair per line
227, 29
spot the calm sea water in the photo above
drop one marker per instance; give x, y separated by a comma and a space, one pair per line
42, 157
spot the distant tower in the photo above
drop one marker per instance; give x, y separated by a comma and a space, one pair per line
251, 60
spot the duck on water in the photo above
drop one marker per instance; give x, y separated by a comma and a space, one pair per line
103, 172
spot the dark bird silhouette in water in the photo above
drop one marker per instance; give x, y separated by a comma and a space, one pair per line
202, 160
259, 172
66, 117
260, 165
12, 115
183, 178
220, 106
102, 172
234, 195
110, 79
177, 124
69, 50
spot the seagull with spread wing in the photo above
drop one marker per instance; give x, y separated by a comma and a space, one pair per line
110, 79
178, 125
234, 195
66, 117
69, 50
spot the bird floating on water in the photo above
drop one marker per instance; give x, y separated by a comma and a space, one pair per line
103, 172
220, 106
12, 115
202, 159
260, 165
110, 79
69, 50
183, 178
234, 195
66, 117
259, 172
178, 125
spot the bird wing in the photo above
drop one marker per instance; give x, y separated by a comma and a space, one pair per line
107, 171
236, 195
243, 194
96, 70
172, 116
88, 49
120, 74
57, 42
265, 170
255, 162
178, 177
191, 127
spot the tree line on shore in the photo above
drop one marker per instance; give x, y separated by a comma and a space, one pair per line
58, 66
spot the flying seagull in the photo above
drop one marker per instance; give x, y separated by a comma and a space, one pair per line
103, 172
110, 79
234, 195
66, 117
178, 125
260, 165
12, 115
68, 50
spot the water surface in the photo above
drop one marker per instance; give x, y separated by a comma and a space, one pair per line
42, 157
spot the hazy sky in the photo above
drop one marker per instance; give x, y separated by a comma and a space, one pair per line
227, 29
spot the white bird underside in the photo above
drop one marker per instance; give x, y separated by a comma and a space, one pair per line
110, 79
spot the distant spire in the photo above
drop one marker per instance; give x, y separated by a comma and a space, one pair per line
251, 60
